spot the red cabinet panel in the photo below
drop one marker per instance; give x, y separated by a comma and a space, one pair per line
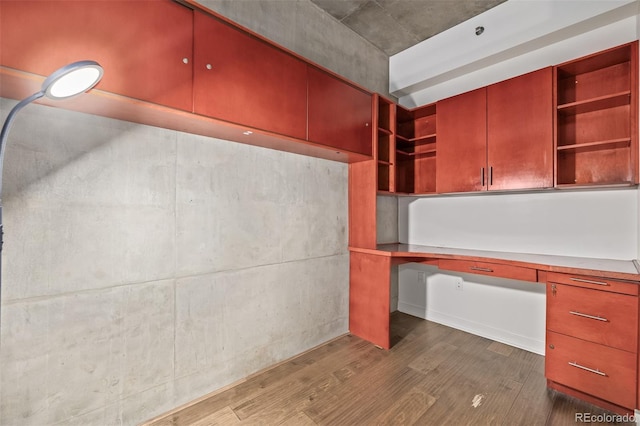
607, 318
497, 138
244, 80
490, 269
598, 370
461, 159
339, 114
141, 44
520, 132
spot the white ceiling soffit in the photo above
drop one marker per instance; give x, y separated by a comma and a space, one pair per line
511, 29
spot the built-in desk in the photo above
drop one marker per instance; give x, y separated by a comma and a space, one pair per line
593, 281
370, 276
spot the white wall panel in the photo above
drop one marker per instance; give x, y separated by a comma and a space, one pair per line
585, 223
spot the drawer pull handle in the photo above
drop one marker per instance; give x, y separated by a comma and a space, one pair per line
580, 314
477, 268
580, 280
590, 370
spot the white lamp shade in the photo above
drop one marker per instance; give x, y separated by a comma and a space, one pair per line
72, 79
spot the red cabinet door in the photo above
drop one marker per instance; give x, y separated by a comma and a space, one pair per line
339, 114
242, 79
461, 158
520, 132
141, 44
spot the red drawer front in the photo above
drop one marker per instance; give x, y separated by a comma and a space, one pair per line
601, 371
598, 316
491, 269
595, 283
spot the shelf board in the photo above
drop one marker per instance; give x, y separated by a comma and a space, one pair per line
418, 139
413, 194
416, 154
625, 141
594, 185
601, 102
385, 131
386, 163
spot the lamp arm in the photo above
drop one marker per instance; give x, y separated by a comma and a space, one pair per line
5, 132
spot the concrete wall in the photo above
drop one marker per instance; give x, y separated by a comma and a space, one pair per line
301, 26
144, 268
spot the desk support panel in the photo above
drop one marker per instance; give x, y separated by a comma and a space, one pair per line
369, 297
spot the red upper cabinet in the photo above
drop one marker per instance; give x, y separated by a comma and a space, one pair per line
498, 137
461, 160
242, 79
520, 132
144, 46
339, 114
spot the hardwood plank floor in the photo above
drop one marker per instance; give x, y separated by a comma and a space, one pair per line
433, 375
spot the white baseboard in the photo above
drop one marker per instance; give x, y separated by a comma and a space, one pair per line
415, 310
473, 327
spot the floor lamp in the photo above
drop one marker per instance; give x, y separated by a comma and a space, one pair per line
65, 82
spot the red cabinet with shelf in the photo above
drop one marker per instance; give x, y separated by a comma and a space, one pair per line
416, 150
339, 115
242, 79
144, 46
596, 135
385, 142
405, 143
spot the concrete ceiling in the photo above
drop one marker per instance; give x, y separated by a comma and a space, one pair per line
394, 25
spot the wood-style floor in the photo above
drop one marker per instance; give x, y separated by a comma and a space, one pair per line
433, 375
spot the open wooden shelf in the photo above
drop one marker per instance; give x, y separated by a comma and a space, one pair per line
596, 127
416, 150
385, 144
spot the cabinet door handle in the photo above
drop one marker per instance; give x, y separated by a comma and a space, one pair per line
482, 176
594, 317
185, 60
580, 280
208, 66
490, 175
477, 268
590, 370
